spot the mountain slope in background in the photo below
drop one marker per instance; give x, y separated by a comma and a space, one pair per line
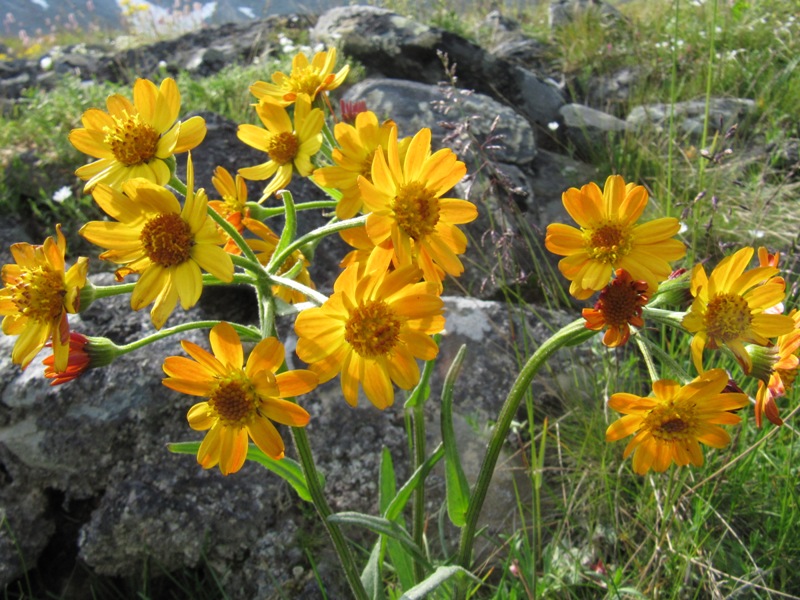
37, 17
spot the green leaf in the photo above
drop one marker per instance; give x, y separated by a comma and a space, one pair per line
384, 527
456, 482
398, 557
423, 389
371, 577
286, 468
433, 581
400, 500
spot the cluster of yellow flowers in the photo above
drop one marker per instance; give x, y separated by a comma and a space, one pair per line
731, 307
385, 305
386, 302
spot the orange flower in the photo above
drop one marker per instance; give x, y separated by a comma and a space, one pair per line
306, 80
233, 206
164, 244
732, 307
782, 374
37, 296
372, 330
242, 402
609, 238
264, 247
406, 207
670, 427
289, 146
618, 307
136, 139
353, 158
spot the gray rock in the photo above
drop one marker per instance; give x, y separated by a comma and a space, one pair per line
723, 113
562, 12
590, 130
446, 112
395, 46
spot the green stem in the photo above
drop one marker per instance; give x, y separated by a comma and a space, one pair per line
648, 358
262, 213
418, 508
238, 278
289, 231
234, 235
106, 291
177, 185
313, 295
311, 236
324, 510
507, 413
670, 318
244, 331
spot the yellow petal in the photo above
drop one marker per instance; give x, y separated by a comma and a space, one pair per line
226, 345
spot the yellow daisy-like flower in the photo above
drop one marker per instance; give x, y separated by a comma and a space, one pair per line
37, 296
164, 244
406, 207
264, 247
782, 374
670, 427
353, 158
731, 307
233, 206
372, 330
135, 139
619, 306
305, 81
289, 146
610, 239
242, 402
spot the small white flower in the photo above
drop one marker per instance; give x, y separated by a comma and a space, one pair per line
683, 228
62, 194
46, 63
552, 125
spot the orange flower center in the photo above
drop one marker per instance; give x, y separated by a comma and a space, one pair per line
728, 317
39, 294
167, 240
416, 210
132, 141
305, 80
670, 422
608, 243
621, 302
373, 329
282, 147
234, 400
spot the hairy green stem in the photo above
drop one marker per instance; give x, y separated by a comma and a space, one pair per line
244, 331
324, 510
418, 508
561, 338
311, 236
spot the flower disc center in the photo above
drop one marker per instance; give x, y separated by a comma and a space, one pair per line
728, 317
132, 141
622, 301
671, 423
283, 147
416, 210
167, 240
373, 329
608, 243
306, 81
234, 401
39, 294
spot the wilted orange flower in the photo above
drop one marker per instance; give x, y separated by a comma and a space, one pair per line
37, 296
732, 307
264, 247
353, 158
306, 79
372, 330
670, 427
618, 307
289, 146
136, 139
243, 399
233, 206
782, 374
165, 244
406, 207
610, 239
77, 362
